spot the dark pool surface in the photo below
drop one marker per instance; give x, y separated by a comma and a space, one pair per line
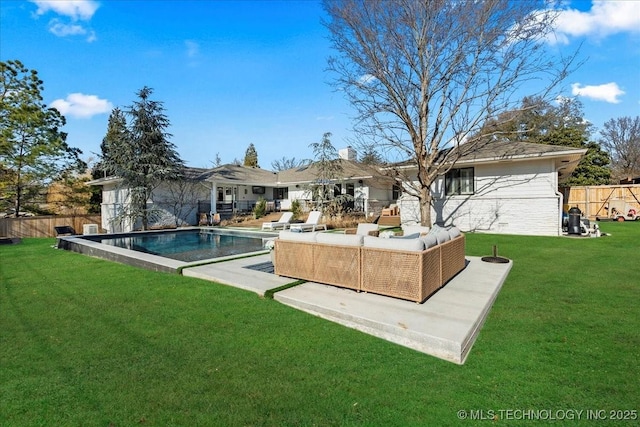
188, 246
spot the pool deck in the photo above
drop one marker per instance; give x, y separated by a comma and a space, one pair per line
445, 326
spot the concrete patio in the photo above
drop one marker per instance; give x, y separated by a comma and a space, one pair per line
445, 326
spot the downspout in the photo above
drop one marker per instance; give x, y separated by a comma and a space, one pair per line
560, 201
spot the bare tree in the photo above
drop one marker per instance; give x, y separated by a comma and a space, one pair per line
180, 198
621, 138
424, 75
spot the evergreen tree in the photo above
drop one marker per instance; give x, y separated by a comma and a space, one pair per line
285, 163
251, 157
370, 156
33, 148
142, 155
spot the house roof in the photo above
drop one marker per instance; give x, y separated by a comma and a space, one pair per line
310, 172
225, 174
565, 158
237, 174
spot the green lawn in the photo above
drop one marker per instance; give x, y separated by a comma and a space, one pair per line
87, 342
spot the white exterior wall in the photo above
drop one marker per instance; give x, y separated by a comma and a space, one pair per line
114, 198
515, 197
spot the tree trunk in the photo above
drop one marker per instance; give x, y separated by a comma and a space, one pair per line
18, 200
425, 206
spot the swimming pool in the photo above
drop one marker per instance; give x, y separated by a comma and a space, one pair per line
188, 246
169, 250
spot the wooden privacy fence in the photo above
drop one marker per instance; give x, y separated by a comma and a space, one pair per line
43, 226
594, 200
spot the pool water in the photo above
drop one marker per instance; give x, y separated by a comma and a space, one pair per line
188, 246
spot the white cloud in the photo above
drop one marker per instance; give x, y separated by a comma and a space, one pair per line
62, 30
82, 106
71, 11
604, 18
193, 48
74, 9
608, 92
365, 79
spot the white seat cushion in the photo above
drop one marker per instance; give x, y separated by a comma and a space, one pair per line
298, 237
339, 239
413, 245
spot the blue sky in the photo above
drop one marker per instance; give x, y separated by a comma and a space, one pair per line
231, 73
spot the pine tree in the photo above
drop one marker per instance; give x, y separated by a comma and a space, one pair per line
251, 157
142, 155
33, 148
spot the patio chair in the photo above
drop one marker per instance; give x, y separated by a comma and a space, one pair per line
392, 210
364, 229
311, 224
65, 230
215, 219
283, 222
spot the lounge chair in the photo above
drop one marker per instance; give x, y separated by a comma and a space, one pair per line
311, 224
65, 230
364, 229
283, 222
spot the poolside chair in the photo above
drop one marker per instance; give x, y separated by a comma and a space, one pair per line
283, 222
311, 224
364, 229
65, 230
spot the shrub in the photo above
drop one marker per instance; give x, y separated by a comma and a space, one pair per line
296, 209
260, 208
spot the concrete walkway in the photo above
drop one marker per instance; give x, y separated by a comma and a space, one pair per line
253, 274
445, 326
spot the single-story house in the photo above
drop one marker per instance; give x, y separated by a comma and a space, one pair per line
502, 187
230, 189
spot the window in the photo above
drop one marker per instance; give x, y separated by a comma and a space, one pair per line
396, 192
337, 190
281, 193
351, 189
459, 181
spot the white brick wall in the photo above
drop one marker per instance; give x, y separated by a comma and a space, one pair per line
510, 198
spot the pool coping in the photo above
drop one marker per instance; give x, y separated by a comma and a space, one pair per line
87, 245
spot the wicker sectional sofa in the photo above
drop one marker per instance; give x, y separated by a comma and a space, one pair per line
411, 268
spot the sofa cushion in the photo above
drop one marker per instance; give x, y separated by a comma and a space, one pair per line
340, 239
298, 237
414, 245
429, 241
454, 232
407, 236
415, 229
442, 236
435, 229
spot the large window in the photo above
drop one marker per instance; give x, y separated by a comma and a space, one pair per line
281, 193
459, 181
